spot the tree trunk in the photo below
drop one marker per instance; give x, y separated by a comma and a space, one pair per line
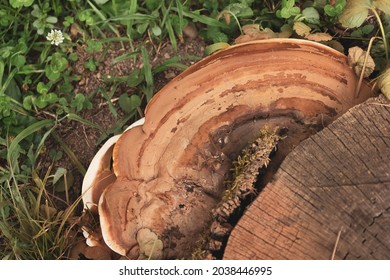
330, 197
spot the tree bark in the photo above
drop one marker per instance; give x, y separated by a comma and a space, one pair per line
330, 197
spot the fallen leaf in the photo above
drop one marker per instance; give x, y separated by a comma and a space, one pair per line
252, 32
149, 244
215, 47
335, 45
252, 35
251, 29
47, 211
319, 37
384, 83
285, 31
356, 58
383, 5
301, 28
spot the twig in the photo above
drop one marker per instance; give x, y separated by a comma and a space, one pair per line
364, 66
336, 244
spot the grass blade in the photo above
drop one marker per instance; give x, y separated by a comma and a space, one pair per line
147, 73
123, 57
180, 12
174, 62
70, 154
1, 72
12, 150
171, 33
203, 19
79, 119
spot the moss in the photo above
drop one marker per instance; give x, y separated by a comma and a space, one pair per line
244, 173
245, 167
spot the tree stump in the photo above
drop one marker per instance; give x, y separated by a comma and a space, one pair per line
330, 198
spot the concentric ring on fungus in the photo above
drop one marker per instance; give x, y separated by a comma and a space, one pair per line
170, 172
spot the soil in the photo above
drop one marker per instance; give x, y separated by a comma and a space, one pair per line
83, 139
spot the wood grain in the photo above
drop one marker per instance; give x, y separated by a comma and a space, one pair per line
337, 180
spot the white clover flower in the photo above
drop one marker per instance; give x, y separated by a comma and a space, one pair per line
55, 37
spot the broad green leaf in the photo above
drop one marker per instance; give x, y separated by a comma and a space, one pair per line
240, 10
156, 30
42, 88
21, 3
340, 5
383, 5
58, 174
58, 62
218, 37
28, 102
285, 13
384, 83
355, 13
152, 4
51, 20
13, 91
135, 78
41, 102
311, 15
51, 74
18, 60
330, 10
101, 2
128, 104
294, 11
367, 29
290, 3
141, 28
93, 46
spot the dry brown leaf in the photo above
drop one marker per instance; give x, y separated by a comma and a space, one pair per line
336, 45
384, 83
356, 58
319, 37
251, 29
252, 35
149, 244
301, 29
252, 32
285, 31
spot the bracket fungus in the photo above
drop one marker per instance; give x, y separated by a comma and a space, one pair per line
169, 172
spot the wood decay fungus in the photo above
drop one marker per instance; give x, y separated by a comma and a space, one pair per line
168, 173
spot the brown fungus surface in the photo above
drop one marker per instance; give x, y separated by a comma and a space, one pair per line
171, 171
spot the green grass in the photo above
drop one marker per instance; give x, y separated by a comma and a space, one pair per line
36, 95
37, 82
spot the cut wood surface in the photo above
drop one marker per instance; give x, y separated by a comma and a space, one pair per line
330, 197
